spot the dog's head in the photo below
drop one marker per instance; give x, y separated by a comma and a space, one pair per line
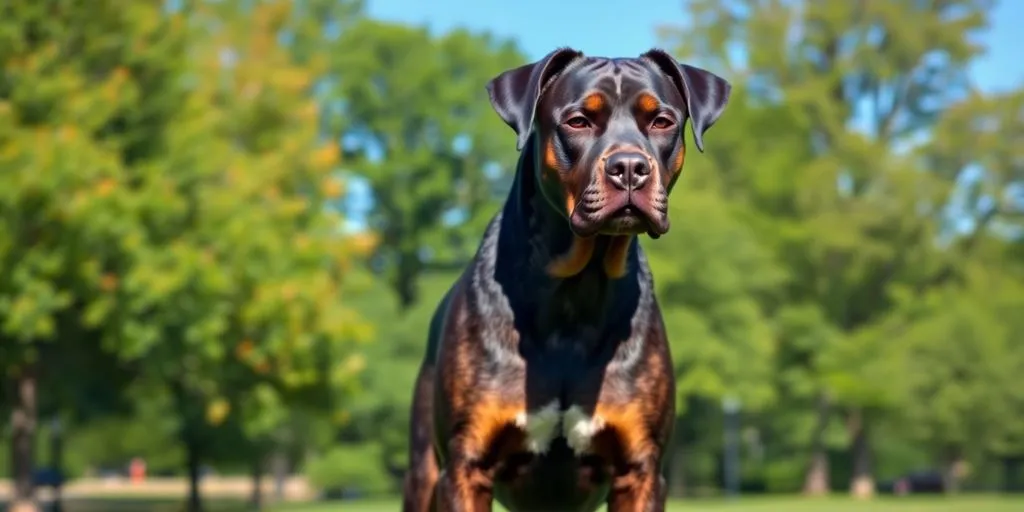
609, 132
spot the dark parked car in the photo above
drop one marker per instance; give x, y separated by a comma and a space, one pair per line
47, 477
915, 482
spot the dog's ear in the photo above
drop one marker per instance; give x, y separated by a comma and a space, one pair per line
705, 93
514, 94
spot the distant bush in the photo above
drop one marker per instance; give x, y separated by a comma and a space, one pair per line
350, 469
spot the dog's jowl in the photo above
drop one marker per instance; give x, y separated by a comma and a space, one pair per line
547, 382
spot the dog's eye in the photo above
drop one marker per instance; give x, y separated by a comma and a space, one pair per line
578, 122
661, 123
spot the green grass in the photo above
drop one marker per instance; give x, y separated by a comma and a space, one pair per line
970, 504
755, 504
132, 504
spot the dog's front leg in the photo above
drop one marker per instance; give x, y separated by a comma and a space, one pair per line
642, 489
638, 416
421, 477
625, 433
463, 487
474, 450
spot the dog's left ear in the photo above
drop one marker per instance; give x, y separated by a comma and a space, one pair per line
706, 93
514, 94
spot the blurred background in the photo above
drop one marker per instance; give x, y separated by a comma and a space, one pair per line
226, 223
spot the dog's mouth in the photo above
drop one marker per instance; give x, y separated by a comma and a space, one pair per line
627, 219
631, 218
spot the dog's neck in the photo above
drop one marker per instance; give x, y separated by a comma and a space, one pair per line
561, 304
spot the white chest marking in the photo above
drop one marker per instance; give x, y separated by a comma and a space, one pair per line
579, 428
542, 427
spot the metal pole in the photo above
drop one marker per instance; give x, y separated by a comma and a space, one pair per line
730, 408
56, 461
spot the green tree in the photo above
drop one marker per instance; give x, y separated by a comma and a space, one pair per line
415, 122
168, 209
843, 89
712, 277
84, 97
979, 141
230, 295
962, 370
377, 419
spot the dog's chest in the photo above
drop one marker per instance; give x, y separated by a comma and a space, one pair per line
567, 353
551, 421
562, 372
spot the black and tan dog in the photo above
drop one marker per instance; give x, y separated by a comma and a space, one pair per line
547, 382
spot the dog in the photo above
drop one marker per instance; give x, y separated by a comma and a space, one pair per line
547, 383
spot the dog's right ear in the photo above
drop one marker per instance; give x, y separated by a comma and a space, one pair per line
514, 94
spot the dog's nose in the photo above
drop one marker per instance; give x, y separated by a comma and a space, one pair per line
628, 170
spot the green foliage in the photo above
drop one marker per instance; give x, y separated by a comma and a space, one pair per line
150, 432
418, 126
711, 272
965, 359
79, 102
165, 206
228, 306
844, 152
380, 412
350, 467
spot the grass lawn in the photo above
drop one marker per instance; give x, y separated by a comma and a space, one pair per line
773, 504
971, 504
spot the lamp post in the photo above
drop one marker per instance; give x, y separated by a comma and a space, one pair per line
731, 428
56, 449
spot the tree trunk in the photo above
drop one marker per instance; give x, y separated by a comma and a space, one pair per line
816, 480
405, 278
23, 432
57, 463
280, 469
731, 473
195, 502
256, 500
953, 469
1011, 474
677, 471
862, 485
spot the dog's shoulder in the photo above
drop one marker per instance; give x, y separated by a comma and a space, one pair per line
477, 277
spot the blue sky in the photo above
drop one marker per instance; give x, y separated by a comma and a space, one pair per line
609, 28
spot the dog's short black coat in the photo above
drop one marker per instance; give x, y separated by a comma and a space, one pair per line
547, 382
